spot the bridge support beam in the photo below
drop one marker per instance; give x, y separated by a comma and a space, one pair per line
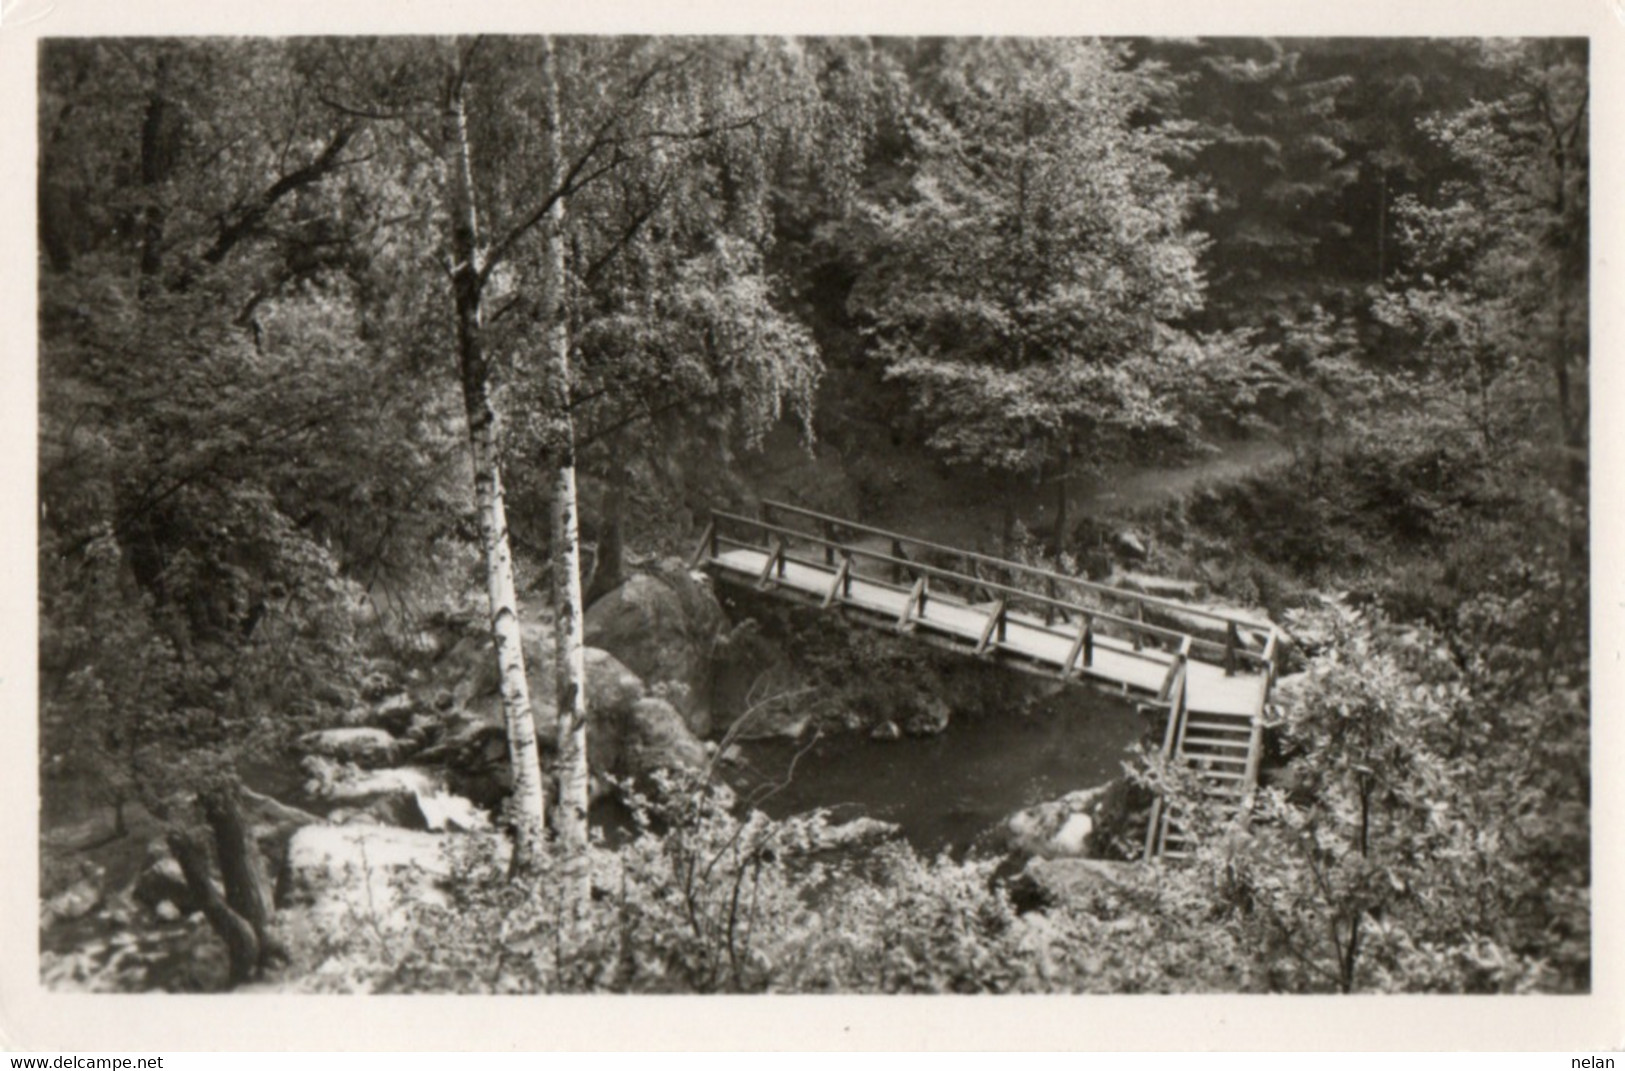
1083, 646
995, 625
842, 586
914, 608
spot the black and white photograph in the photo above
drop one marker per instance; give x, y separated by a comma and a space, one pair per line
861, 514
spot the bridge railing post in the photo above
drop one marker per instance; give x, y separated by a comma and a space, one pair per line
707, 550
916, 599
1180, 664
841, 586
1231, 639
994, 626
1139, 633
829, 543
774, 569
1082, 652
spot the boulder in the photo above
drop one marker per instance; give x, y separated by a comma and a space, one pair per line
663, 626
611, 685
345, 784
442, 812
362, 745
1060, 881
655, 737
423, 729
1063, 828
76, 901
392, 713
469, 679
860, 832
1129, 545
613, 691
267, 811
778, 721
399, 810
378, 682
355, 816
344, 876
472, 742
162, 881
929, 717
886, 731
611, 688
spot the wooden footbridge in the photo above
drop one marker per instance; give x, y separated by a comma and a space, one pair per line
1211, 671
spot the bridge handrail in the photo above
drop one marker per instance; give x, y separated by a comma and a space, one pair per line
1032, 570
924, 618
1128, 623
1177, 711
940, 573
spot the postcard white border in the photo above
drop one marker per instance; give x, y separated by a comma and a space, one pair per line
32, 1018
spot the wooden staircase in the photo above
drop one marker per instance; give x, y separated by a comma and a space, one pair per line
1223, 749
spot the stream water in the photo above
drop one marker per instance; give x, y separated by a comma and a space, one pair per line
946, 790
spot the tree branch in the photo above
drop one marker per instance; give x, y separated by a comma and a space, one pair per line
250, 216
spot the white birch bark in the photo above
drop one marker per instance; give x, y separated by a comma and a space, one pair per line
528, 804
570, 821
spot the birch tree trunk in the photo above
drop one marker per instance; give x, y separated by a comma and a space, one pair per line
528, 803
570, 821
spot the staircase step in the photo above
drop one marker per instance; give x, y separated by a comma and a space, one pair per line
1217, 751
1217, 745
1240, 726
1208, 759
1207, 764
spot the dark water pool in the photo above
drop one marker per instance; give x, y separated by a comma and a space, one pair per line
946, 790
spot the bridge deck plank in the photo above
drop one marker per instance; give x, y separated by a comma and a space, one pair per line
1210, 690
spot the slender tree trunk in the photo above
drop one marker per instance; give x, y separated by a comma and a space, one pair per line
242, 946
241, 872
1575, 466
569, 627
571, 672
1572, 413
156, 159
1062, 471
1382, 225
528, 804
610, 570
1349, 957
